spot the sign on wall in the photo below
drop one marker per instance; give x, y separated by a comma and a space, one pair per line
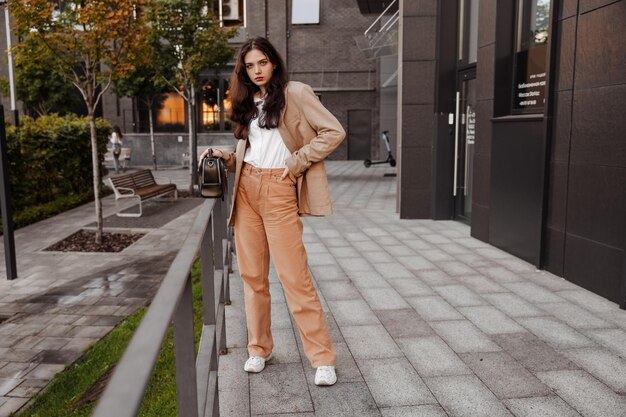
530, 79
470, 127
531, 48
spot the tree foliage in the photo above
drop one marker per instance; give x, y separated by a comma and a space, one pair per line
145, 84
187, 38
49, 157
41, 88
87, 42
144, 81
90, 43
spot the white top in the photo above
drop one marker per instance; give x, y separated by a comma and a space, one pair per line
267, 149
115, 139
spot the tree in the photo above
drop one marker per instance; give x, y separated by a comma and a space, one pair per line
187, 38
40, 87
90, 43
146, 85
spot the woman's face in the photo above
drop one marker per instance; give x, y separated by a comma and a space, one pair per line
259, 68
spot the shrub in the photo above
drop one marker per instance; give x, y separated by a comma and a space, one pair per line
33, 214
50, 157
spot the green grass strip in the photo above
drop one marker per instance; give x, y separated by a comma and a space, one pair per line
70, 385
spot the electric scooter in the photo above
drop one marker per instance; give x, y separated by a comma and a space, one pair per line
390, 160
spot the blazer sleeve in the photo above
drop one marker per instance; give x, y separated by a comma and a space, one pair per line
330, 133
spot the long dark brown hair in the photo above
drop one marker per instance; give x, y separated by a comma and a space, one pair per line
242, 89
117, 130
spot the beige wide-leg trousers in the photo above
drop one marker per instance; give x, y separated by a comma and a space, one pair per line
267, 223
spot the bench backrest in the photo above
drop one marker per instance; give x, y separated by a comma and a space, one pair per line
143, 178
134, 181
125, 181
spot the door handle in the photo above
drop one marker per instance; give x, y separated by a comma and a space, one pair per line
467, 145
456, 142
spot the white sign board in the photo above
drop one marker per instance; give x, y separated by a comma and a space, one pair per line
305, 12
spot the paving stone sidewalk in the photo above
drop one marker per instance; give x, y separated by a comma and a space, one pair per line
428, 321
62, 303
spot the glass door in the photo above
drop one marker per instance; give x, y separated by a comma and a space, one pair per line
464, 139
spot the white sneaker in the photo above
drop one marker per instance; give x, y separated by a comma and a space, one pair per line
325, 375
256, 364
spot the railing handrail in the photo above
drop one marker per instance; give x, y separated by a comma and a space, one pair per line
378, 18
390, 22
126, 389
384, 30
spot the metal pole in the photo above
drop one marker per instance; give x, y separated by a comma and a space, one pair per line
185, 355
622, 302
5, 204
14, 112
193, 158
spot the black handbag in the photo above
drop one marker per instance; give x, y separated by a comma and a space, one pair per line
212, 177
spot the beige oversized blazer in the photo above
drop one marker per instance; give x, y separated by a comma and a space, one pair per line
311, 133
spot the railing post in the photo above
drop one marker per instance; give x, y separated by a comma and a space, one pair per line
212, 408
196, 377
219, 229
185, 355
227, 256
209, 309
219, 225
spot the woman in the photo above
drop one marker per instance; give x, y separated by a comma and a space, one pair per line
116, 141
284, 134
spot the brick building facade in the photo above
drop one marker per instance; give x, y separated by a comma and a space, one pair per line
322, 55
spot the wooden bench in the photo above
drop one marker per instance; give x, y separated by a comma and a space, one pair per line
139, 185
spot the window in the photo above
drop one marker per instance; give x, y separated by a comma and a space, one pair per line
172, 111
305, 12
529, 55
468, 31
215, 105
210, 117
168, 114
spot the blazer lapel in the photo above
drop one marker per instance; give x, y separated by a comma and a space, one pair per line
240, 152
290, 141
288, 138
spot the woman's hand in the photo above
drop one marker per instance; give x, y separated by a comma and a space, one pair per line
287, 173
216, 153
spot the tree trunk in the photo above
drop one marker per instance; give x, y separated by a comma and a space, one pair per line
194, 137
154, 160
96, 173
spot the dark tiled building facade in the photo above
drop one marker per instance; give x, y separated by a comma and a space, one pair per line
510, 118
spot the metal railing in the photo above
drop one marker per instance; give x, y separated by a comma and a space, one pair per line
335, 80
196, 376
381, 37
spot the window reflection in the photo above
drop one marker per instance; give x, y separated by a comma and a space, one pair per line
216, 105
533, 25
227, 105
210, 105
172, 111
